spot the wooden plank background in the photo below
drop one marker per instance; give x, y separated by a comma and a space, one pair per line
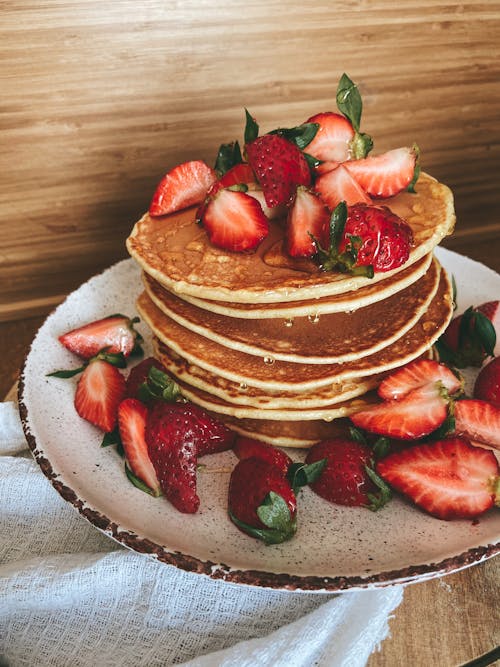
99, 99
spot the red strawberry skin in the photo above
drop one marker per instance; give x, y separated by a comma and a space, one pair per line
99, 392
384, 175
417, 374
246, 448
338, 185
479, 421
251, 480
132, 415
184, 185
386, 238
333, 138
449, 479
114, 333
138, 375
307, 217
417, 414
487, 385
235, 221
344, 480
279, 166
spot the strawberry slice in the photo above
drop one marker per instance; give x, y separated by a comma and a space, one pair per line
333, 138
132, 415
418, 374
418, 414
338, 185
307, 218
387, 174
246, 448
115, 333
235, 221
99, 391
184, 185
487, 385
239, 173
449, 478
280, 166
478, 421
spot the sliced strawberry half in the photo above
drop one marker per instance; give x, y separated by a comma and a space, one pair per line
307, 220
132, 415
235, 221
333, 138
184, 185
418, 414
338, 185
387, 174
418, 374
280, 166
478, 421
449, 478
99, 391
115, 334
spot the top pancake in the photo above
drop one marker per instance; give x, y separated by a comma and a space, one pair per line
176, 252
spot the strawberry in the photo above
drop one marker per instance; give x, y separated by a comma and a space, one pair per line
417, 374
115, 334
239, 173
338, 185
387, 174
261, 501
132, 415
345, 479
417, 414
184, 185
471, 337
487, 385
364, 239
478, 421
99, 392
307, 218
280, 166
333, 138
235, 221
246, 448
139, 374
449, 478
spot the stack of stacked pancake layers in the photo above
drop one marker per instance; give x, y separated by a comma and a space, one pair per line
275, 347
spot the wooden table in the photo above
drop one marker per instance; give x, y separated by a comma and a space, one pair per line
445, 622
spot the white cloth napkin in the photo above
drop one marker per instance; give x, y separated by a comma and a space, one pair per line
71, 596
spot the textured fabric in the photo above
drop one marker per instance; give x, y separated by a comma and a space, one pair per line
70, 596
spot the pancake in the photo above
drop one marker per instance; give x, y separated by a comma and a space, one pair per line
275, 375
177, 253
330, 338
242, 394
339, 303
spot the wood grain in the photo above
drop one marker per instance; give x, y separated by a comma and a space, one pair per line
100, 99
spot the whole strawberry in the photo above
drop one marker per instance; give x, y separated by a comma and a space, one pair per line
246, 448
487, 385
280, 166
261, 501
138, 375
347, 478
176, 434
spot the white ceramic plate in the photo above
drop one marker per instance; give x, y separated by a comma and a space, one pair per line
335, 548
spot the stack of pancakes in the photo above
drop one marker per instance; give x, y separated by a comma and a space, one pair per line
275, 347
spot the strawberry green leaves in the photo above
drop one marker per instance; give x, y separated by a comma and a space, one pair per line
350, 104
228, 156
275, 514
158, 385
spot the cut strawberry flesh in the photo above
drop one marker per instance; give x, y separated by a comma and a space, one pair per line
235, 221
338, 185
132, 415
308, 219
479, 421
333, 138
184, 185
114, 333
449, 478
417, 374
384, 175
99, 391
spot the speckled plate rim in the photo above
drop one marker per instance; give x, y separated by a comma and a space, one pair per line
221, 571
